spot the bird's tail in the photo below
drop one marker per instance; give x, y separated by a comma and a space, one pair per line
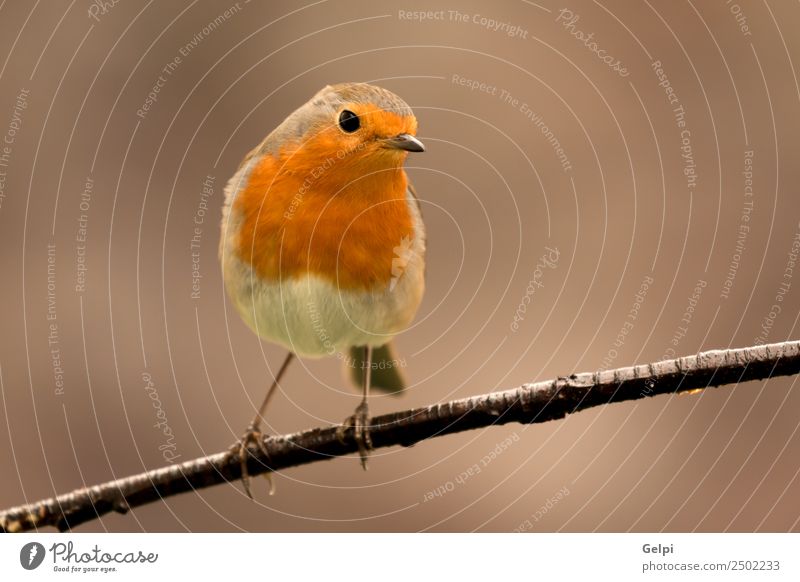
385, 377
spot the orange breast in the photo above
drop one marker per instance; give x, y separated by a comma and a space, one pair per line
343, 222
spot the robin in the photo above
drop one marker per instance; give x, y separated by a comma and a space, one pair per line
323, 244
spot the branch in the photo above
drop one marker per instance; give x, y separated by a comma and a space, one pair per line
529, 403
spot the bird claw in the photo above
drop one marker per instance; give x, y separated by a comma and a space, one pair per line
241, 449
359, 423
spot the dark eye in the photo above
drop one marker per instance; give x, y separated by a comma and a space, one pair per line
349, 121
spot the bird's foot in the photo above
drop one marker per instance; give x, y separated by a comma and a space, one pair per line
359, 422
242, 449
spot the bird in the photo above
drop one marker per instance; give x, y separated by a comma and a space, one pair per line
322, 244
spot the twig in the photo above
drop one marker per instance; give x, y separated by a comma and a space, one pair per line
529, 403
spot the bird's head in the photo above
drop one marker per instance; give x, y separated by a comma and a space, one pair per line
351, 125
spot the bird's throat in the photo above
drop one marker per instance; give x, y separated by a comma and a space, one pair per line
342, 223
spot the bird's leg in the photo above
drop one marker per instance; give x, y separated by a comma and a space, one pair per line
359, 421
253, 436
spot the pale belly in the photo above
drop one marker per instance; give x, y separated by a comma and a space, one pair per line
312, 318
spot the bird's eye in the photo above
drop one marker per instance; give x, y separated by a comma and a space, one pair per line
349, 121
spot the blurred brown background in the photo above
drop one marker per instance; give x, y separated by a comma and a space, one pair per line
79, 342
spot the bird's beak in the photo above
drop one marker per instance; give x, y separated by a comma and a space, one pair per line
404, 141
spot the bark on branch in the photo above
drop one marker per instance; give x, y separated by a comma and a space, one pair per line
528, 403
